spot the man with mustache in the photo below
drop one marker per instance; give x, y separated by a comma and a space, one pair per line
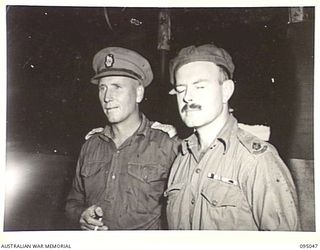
121, 172
223, 178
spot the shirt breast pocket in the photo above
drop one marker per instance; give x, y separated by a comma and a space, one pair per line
221, 202
146, 185
94, 175
173, 190
172, 194
177, 207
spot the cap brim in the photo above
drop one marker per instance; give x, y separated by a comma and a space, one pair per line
96, 78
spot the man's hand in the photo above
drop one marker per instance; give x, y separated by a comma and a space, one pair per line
167, 128
91, 218
92, 132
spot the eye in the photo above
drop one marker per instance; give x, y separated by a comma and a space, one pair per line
180, 88
116, 86
200, 84
199, 87
102, 87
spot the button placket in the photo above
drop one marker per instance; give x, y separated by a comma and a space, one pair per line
112, 176
115, 158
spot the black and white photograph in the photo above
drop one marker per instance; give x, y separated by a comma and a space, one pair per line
123, 118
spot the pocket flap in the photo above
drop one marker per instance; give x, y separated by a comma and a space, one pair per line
173, 188
220, 194
148, 172
92, 168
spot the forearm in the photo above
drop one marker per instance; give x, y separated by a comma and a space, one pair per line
75, 202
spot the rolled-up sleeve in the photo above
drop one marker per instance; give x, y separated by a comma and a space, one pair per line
272, 194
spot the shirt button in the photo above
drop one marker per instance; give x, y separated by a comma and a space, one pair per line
214, 202
192, 201
118, 151
113, 177
198, 170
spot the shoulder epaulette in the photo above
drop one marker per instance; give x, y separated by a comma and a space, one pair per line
252, 143
164, 128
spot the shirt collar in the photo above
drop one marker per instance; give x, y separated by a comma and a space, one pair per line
144, 126
226, 132
229, 128
190, 143
142, 130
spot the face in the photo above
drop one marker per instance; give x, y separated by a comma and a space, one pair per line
119, 97
201, 97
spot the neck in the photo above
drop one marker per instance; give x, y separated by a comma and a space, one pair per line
122, 131
208, 133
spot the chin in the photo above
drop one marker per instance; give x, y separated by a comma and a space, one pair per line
113, 120
191, 123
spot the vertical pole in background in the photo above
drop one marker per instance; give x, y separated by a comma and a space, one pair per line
300, 36
164, 36
169, 114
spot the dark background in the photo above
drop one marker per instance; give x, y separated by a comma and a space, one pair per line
52, 105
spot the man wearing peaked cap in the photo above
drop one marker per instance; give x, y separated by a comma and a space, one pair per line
116, 61
223, 178
122, 171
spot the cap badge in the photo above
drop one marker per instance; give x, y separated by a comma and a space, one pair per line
109, 61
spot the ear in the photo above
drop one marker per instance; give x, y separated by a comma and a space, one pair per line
140, 93
227, 90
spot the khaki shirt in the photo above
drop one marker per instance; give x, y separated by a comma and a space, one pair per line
239, 183
127, 182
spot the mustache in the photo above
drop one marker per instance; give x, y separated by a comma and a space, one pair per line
192, 106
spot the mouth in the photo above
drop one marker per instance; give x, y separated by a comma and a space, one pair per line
109, 109
189, 110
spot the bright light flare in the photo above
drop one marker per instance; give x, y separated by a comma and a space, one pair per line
14, 179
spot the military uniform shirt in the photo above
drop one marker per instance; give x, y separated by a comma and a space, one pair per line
239, 183
127, 182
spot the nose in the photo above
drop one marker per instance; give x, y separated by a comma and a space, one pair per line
107, 95
187, 95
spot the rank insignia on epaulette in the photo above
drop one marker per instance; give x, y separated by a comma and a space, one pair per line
256, 145
257, 148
